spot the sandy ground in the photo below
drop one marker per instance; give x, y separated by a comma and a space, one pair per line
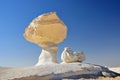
117, 78
103, 78
100, 78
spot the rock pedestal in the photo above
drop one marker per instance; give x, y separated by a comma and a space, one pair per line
48, 56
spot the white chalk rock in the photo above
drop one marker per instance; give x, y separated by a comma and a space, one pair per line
68, 56
48, 56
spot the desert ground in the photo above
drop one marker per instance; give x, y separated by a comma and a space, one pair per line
115, 69
100, 78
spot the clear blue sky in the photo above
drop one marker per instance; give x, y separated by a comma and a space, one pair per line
93, 27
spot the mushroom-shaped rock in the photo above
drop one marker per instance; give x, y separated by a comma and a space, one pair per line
68, 56
46, 31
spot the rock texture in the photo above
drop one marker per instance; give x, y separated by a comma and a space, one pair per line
68, 56
56, 72
46, 31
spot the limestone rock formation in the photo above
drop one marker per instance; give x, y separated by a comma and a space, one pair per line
46, 31
68, 56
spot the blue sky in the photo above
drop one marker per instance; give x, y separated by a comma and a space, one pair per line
93, 27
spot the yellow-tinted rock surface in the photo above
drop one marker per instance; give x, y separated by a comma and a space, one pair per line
46, 30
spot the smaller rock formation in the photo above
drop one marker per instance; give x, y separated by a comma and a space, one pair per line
68, 56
